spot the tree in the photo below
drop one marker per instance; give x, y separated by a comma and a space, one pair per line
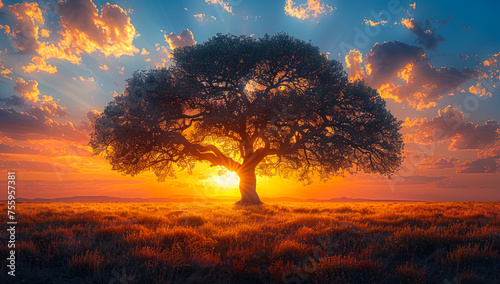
267, 106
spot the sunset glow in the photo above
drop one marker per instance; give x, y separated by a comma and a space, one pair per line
436, 65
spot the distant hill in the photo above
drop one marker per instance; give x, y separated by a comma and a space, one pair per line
188, 198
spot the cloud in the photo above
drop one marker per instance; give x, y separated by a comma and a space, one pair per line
28, 90
413, 180
6, 29
425, 33
311, 9
1, 4
491, 152
221, 3
492, 61
103, 67
87, 126
110, 32
89, 79
449, 125
25, 33
16, 149
92, 115
5, 71
35, 166
144, 52
200, 17
403, 180
485, 165
480, 90
402, 72
39, 64
185, 38
25, 126
440, 163
83, 31
45, 33
373, 24
353, 62
48, 109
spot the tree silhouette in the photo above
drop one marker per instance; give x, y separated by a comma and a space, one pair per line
267, 106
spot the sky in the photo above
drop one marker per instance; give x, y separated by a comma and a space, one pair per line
436, 63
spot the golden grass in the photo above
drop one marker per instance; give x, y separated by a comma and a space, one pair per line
293, 242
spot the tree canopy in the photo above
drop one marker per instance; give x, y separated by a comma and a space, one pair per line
268, 106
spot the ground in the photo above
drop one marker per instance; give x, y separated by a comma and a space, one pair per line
377, 242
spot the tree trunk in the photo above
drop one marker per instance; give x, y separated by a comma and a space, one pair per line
248, 184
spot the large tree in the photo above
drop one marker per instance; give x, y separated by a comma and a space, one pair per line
267, 106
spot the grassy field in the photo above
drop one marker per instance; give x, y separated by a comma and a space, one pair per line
275, 243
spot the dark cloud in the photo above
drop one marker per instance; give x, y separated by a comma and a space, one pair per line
440, 163
450, 124
402, 72
425, 33
24, 126
15, 101
25, 33
486, 165
386, 59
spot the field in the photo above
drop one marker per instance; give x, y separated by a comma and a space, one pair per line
456, 242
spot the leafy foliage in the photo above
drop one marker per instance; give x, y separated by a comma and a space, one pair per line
273, 105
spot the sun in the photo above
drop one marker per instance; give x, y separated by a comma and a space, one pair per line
225, 179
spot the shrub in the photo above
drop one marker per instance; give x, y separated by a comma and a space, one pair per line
291, 251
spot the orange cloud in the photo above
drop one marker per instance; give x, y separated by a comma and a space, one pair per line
406, 72
313, 8
28, 90
144, 52
48, 109
492, 61
1, 4
479, 90
39, 64
221, 3
200, 17
45, 33
407, 23
388, 91
353, 62
90, 79
185, 38
103, 67
373, 24
5, 72
6, 28
414, 5
84, 30
87, 31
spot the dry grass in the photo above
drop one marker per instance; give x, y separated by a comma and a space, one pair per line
456, 242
